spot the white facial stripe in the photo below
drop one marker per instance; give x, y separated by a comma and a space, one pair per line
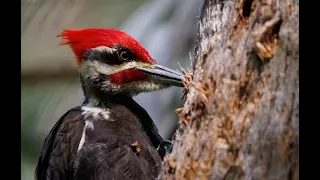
97, 67
105, 49
93, 68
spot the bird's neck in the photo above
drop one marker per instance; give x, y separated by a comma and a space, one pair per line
98, 98
104, 100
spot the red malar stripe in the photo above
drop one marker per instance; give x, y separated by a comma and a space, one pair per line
126, 76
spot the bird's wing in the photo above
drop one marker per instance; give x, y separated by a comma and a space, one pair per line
59, 146
146, 121
116, 161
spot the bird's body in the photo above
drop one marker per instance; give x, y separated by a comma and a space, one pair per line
85, 135
110, 136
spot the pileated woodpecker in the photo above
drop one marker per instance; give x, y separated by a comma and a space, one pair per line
109, 136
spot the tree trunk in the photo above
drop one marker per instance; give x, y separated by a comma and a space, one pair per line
241, 116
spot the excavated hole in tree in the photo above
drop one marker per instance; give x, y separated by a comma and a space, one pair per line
246, 8
255, 63
242, 19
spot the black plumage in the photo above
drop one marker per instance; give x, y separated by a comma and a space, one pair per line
107, 152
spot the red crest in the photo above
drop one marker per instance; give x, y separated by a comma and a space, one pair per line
84, 39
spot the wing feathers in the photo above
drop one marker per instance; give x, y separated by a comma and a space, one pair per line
54, 157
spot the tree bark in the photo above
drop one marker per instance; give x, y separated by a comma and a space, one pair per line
241, 116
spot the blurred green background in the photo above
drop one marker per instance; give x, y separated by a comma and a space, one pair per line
50, 85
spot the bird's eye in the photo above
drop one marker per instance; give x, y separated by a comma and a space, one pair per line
124, 55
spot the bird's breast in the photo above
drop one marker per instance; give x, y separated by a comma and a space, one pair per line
114, 124
114, 140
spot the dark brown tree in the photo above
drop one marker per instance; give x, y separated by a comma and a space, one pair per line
241, 116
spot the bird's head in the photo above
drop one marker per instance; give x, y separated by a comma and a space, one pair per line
113, 62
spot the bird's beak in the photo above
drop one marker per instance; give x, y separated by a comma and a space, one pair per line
162, 74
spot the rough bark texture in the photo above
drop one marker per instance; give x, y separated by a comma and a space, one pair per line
241, 116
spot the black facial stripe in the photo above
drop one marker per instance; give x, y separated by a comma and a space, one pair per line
102, 56
108, 57
98, 81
